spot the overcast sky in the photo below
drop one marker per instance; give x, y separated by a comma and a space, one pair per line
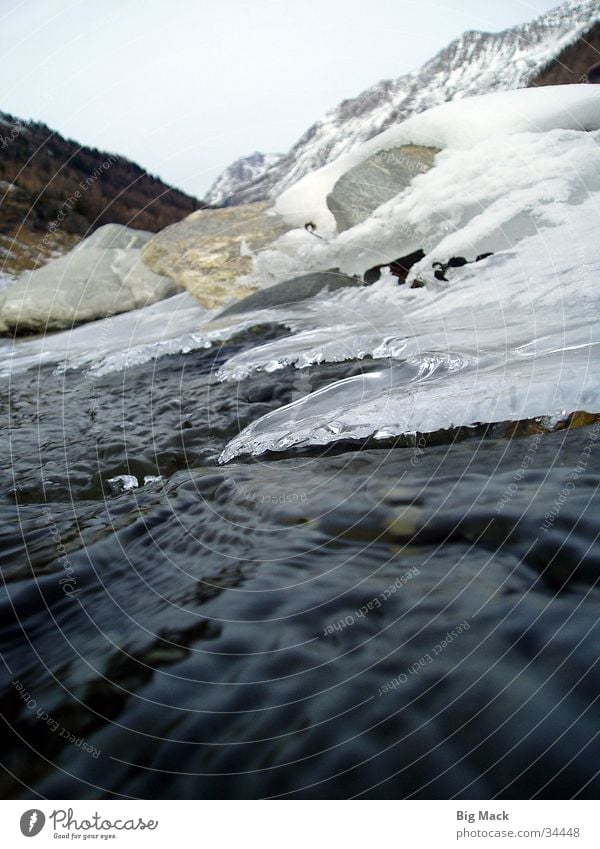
184, 87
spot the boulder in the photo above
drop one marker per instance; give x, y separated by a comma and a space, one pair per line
115, 237
207, 251
291, 291
366, 186
102, 276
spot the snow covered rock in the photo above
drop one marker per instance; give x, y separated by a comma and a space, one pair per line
511, 337
102, 276
209, 250
460, 125
476, 63
366, 186
506, 170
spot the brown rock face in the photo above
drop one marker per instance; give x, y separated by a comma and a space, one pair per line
571, 64
210, 249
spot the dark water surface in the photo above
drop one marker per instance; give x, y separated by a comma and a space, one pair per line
381, 622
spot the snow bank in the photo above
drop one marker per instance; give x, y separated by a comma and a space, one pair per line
457, 124
485, 198
513, 337
479, 200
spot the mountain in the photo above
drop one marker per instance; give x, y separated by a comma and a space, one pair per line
53, 191
244, 171
555, 48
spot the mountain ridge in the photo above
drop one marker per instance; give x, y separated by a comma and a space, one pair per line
474, 63
53, 191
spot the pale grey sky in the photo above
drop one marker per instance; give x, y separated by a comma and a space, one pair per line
184, 87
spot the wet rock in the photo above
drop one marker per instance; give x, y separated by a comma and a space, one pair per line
291, 291
399, 267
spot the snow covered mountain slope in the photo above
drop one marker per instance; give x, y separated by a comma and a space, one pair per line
475, 63
228, 187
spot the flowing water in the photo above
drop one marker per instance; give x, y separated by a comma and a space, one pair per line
376, 619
